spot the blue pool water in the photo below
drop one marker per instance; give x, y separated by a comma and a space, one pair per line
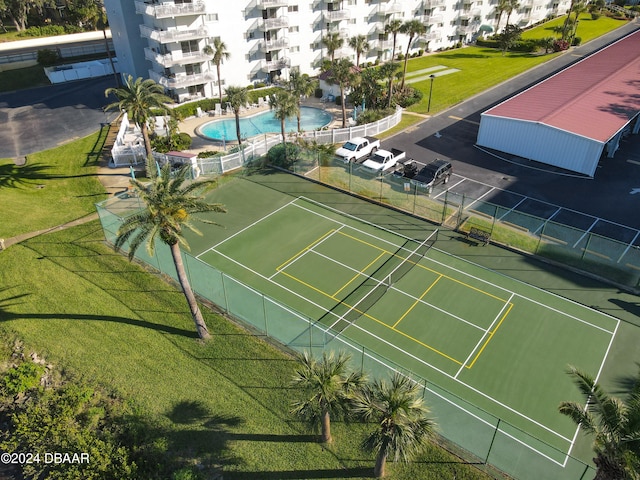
265, 122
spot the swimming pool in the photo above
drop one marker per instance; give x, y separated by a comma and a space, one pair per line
265, 122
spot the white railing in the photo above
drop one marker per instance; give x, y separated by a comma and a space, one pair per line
169, 36
170, 10
260, 146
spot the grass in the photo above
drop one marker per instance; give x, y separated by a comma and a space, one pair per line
221, 403
482, 68
22, 78
11, 35
53, 187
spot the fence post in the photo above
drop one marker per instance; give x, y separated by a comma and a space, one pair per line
586, 247
362, 361
264, 314
224, 291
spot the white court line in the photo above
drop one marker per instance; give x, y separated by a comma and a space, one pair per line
483, 336
245, 228
506, 407
306, 250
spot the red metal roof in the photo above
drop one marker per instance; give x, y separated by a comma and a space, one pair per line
594, 98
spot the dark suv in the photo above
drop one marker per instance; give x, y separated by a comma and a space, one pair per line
438, 171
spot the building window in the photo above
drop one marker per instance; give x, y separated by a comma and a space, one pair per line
190, 46
294, 29
212, 17
294, 49
192, 69
292, 8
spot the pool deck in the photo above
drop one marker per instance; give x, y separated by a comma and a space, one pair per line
200, 144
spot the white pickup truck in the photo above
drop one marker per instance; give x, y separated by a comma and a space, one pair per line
383, 160
358, 148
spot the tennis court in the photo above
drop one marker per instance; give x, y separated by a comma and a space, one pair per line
501, 345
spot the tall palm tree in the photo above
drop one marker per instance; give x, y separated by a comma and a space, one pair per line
327, 386
284, 105
138, 98
237, 98
333, 42
301, 85
614, 424
360, 45
343, 74
413, 28
387, 71
501, 7
220, 53
402, 425
511, 6
393, 27
170, 206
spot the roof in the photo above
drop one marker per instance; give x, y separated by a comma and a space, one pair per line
595, 97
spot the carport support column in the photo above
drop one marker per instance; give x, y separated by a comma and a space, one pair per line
636, 127
613, 144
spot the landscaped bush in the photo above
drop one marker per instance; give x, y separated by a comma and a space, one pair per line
47, 57
560, 45
576, 41
50, 31
487, 42
275, 155
408, 96
180, 141
371, 115
210, 154
526, 46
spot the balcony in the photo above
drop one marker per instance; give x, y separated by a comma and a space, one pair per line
170, 10
276, 44
279, 64
389, 8
175, 58
337, 15
170, 36
465, 30
275, 23
431, 36
434, 19
182, 80
437, 3
273, 3
383, 45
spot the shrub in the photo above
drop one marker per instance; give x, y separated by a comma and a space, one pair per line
48, 57
526, 46
318, 93
487, 43
420, 52
182, 141
371, 115
400, 56
560, 45
408, 96
576, 41
260, 85
21, 378
209, 154
595, 15
275, 155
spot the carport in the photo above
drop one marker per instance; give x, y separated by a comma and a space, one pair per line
574, 117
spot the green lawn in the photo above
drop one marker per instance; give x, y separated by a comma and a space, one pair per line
22, 78
53, 187
482, 68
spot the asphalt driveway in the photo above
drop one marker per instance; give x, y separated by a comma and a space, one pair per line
41, 118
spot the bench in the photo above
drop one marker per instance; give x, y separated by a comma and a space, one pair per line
479, 235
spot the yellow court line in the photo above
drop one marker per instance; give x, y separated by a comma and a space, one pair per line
308, 247
416, 302
310, 286
425, 345
360, 273
490, 336
366, 243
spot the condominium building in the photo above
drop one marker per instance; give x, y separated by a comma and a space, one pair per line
267, 39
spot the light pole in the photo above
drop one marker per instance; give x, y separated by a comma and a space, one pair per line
432, 77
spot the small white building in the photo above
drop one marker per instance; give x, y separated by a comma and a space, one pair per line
573, 118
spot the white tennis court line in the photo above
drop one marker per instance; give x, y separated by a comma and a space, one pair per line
488, 397
464, 364
245, 228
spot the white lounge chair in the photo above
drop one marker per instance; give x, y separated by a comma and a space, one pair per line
218, 109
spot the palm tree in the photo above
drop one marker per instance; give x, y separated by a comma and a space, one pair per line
402, 425
138, 98
511, 6
301, 86
333, 42
501, 7
343, 74
614, 423
360, 45
327, 386
169, 210
386, 71
285, 105
393, 27
413, 28
220, 52
237, 98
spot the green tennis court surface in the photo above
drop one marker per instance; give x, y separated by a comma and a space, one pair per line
499, 344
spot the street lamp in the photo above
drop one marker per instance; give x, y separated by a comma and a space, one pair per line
432, 77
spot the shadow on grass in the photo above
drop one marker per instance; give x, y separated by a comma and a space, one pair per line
6, 316
357, 472
15, 176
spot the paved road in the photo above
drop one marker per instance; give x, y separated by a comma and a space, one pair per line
41, 118
452, 135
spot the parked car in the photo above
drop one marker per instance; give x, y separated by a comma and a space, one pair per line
358, 149
435, 173
383, 160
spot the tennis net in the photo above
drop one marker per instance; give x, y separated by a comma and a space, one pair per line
371, 290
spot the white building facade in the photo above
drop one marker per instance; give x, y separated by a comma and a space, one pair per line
165, 39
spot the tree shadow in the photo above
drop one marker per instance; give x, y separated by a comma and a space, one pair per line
625, 384
6, 316
16, 176
356, 472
